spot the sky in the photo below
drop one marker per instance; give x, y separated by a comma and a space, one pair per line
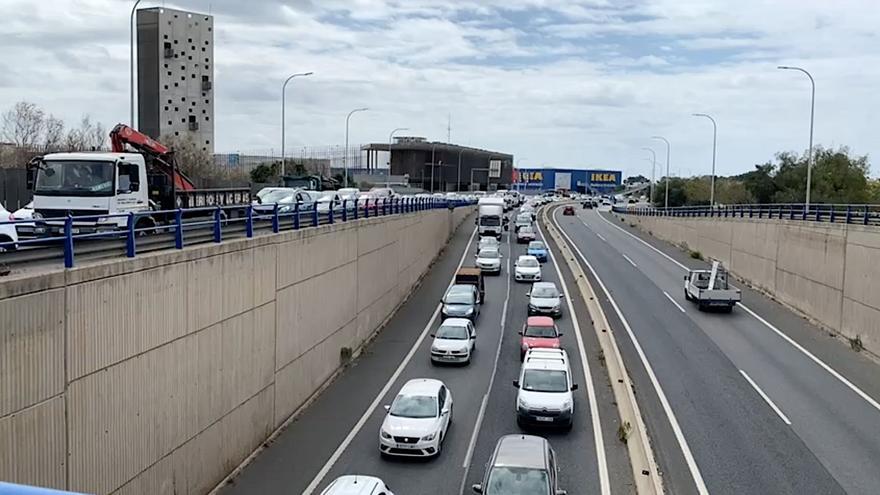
557, 83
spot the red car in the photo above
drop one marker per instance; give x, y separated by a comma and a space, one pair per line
539, 331
568, 210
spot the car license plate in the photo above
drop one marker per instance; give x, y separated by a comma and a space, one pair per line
544, 419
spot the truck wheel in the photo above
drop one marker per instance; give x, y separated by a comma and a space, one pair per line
687, 297
728, 309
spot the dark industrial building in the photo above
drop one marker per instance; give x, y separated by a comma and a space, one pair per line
435, 166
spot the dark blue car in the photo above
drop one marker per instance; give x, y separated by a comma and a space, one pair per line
538, 250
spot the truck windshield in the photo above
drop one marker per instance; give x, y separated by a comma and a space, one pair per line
75, 178
490, 221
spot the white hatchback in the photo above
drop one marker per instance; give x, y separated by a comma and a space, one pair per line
527, 269
8, 234
417, 420
355, 484
454, 341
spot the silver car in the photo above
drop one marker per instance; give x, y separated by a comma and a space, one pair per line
545, 299
489, 260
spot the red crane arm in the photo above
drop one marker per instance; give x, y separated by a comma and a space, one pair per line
122, 135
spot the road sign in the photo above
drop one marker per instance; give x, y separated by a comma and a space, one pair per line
494, 169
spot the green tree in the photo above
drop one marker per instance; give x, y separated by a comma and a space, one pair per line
265, 173
731, 191
760, 183
677, 194
697, 190
638, 179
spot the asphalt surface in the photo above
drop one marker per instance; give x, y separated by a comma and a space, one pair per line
338, 433
711, 367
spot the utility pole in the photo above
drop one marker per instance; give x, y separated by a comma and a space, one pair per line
345, 154
283, 119
668, 152
714, 142
812, 114
653, 166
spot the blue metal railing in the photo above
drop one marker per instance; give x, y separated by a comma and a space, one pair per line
192, 226
863, 214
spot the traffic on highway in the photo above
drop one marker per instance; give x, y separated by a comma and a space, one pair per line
478, 385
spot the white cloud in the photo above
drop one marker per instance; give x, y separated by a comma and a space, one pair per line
553, 81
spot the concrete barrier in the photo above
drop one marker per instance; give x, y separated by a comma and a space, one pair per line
160, 374
828, 272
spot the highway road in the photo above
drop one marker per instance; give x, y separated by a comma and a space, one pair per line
338, 433
757, 401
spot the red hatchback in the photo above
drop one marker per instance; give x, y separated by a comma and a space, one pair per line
539, 331
568, 210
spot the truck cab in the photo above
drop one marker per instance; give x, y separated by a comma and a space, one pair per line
84, 184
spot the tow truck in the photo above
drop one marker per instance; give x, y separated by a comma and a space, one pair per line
710, 289
144, 180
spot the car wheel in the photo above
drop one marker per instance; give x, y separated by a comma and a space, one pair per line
687, 297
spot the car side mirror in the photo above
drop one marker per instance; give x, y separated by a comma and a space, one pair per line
445, 412
387, 408
685, 278
477, 488
561, 492
516, 383
473, 337
561, 296
519, 332
431, 334
574, 386
560, 334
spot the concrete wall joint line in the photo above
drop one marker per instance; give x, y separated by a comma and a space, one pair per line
313, 347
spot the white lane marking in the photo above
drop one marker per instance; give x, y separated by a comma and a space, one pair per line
870, 400
599, 236
631, 262
479, 423
765, 397
674, 302
676, 429
604, 480
372, 407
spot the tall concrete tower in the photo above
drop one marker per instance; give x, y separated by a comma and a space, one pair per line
175, 59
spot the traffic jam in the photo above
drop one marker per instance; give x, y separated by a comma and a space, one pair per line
418, 419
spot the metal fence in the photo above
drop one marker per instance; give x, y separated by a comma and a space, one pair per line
830, 213
98, 236
313, 159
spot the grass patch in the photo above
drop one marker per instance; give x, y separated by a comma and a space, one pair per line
345, 354
623, 431
601, 358
696, 255
856, 344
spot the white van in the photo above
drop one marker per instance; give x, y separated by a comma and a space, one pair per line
545, 389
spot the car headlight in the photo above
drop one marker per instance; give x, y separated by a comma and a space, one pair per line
522, 404
532, 306
469, 311
566, 405
385, 435
428, 438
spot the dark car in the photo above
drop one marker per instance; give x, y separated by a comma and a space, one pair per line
461, 301
588, 205
568, 210
521, 465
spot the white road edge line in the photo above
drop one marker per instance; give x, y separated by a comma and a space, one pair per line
604, 480
372, 407
674, 302
479, 423
676, 429
870, 400
765, 397
631, 262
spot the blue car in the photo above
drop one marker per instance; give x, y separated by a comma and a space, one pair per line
538, 250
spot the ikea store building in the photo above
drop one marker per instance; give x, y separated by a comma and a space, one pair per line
554, 179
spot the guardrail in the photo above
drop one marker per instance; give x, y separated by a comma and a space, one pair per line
189, 226
863, 214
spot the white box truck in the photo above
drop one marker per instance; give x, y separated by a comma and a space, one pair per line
490, 217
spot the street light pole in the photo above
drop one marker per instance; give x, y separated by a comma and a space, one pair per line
714, 143
812, 114
345, 154
390, 138
131, 60
283, 108
653, 166
433, 147
668, 152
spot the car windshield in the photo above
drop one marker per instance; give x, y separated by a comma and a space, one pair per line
505, 480
526, 218
540, 331
544, 381
452, 332
75, 178
278, 196
460, 296
544, 291
536, 245
526, 230
414, 406
489, 254
528, 263
490, 221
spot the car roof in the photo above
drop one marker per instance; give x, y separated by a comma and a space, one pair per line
540, 321
524, 257
548, 285
486, 238
545, 359
455, 322
421, 386
460, 288
354, 484
534, 244
528, 451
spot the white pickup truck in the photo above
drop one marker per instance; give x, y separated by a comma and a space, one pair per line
710, 289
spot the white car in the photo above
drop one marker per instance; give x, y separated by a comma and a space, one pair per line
26, 212
417, 420
356, 484
527, 269
8, 234
489, 260
545, 299
454, 341
545, 389
525, 235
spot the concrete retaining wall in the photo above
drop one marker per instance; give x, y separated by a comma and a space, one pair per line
161, 373
829, 272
